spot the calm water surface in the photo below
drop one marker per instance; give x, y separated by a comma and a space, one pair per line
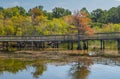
83, 68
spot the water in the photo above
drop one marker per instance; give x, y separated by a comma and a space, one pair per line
83, 68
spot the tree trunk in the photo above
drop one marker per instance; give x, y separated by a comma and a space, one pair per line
79, 45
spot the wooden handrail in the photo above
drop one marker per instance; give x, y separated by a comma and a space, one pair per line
112, 35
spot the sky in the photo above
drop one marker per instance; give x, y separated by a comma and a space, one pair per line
73, 5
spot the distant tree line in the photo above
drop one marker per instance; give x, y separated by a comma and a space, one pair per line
37, 21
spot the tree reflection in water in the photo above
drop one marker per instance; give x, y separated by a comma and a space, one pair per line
14, 66
80, 70
40, 67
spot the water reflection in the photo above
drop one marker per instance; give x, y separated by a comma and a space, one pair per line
80, 70
12, 66
40, 67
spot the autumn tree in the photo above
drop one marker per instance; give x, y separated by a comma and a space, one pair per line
35, 12
81, 22
37, 17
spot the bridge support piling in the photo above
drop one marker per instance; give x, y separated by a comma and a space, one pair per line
32, 44
72, 45
57, 44
102, 44
43, 45
3, 45
79, 45
25, 46
7, 45
39, 45
54, 44
85, 46
118, 45
19, 45
68, 45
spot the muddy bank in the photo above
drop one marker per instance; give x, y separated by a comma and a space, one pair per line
40, 54
69, 54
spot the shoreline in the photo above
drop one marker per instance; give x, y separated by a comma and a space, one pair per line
66, 54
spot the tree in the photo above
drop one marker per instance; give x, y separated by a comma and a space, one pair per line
60, 12
1, 9
19, 32
113, 15
9, 30
80, 21
40, 67
10, 12
85, 11
106, 16
21, 10
96, 15
35, 13
80, 70
49, 15
40, 7
21, 24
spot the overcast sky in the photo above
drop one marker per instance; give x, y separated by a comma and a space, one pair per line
68, 4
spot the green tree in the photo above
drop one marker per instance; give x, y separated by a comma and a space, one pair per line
60, 12
1, 9
113, 15
10, 12
96, 15
85, 11
21, 10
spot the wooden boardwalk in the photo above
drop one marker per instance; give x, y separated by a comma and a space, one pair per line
96, 36
55, 40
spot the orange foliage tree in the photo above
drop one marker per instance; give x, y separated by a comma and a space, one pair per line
80, 21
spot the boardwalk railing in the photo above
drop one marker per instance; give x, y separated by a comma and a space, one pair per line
96, 36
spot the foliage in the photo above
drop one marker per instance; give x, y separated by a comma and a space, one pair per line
37, 21
106, 16
60, 12
81, 22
